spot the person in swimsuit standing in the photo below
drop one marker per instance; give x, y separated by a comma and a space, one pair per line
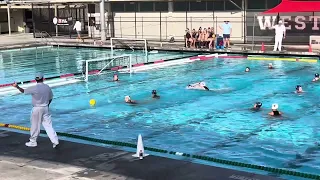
211, 38
188, 38
193, 36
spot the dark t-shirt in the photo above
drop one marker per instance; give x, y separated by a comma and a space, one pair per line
188, 35
276, 113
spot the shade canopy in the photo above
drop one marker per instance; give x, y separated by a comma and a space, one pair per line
290, 6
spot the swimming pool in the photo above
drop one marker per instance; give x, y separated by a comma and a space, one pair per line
20, 65
217, 123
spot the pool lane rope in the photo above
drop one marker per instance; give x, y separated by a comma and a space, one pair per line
205, 158
95, 71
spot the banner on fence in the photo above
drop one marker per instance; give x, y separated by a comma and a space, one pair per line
299, 26
62, 21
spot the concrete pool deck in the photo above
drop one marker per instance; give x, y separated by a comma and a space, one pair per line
84, 162
27, 40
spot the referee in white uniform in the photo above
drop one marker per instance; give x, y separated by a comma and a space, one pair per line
41, 99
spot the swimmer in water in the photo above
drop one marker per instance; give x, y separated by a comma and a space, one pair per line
275, 111
115, 77
270, 66
247, 69
316, 77
299, 89
128, 100
257, 106
199, 86
154, 94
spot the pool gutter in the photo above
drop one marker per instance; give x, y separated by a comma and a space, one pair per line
183, 49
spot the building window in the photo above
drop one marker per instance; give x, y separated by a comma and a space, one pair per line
130, 6
272, 3
146, 6
218, 6
198, 6
117, 6
161, 6
256, 4
180, 6
234, 5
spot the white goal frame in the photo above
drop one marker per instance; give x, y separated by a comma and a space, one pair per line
103, 59
131, 39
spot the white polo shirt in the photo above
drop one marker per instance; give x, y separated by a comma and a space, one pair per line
77, 26
279, 30
41, 94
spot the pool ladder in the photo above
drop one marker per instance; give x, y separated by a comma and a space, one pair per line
44, 36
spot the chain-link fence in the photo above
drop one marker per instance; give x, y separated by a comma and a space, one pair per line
247, 26
43, 14
163, 27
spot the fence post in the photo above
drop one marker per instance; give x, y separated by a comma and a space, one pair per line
166, 27
56, 15
213, 20
160, 30
217, 24
33, 23
186, 15
120, 27
49, 22
70, 14
253, 27
135, 21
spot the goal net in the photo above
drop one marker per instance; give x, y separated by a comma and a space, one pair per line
98, 66
129, 43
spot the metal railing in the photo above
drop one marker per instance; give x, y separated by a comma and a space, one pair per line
44, 36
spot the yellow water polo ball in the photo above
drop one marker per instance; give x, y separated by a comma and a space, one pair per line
92, 102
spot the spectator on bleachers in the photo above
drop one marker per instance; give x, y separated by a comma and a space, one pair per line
203, 38
188, 39
205, 34
198, 39
211, 38
194, 37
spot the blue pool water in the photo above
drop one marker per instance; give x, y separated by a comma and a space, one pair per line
20, 65
217, 123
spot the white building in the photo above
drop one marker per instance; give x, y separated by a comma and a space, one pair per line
150, 19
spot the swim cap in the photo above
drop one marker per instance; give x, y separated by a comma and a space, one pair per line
127, 98
316, 75
270, 64
298, 86
154, 91
259, 104
274, 106
203, 84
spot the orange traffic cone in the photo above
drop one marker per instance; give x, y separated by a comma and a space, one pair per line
262, 47
310, 48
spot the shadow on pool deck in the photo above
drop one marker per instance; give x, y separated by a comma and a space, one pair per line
81, 161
